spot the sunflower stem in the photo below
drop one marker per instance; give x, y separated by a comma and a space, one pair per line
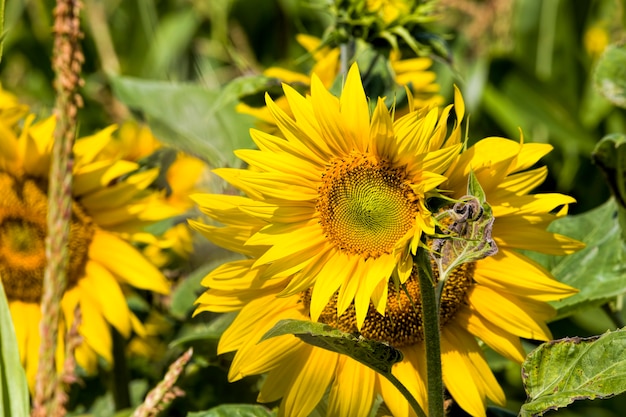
346, 53
67, 60
430, 319
120, 377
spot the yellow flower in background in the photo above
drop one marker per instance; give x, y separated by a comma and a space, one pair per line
389, 10
294, 273
107, 195
136, 142
596, 39
340, 202
412, 72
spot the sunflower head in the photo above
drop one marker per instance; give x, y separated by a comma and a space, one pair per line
339, 202
393, 22
110, 198
179, 176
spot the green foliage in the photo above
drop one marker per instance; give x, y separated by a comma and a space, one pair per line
610, 157
599, 269
14, 399
2, 34
186, 117
610, 74
235, 410
376, 355
563, 371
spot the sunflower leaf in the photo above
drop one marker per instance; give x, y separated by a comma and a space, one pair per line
610, 74
377, 355
188, 117
599, 269
14, 399
234, 410
467, 230
560, 372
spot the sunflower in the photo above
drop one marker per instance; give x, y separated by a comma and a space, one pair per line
135, 142
389, 10
106, 195
340, 202
498, 299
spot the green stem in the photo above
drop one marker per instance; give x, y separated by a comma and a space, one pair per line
346, 52
405, 392
120, 377
430, 320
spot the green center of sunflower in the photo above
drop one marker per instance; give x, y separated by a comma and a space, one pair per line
401, 325
23, 213
365, 205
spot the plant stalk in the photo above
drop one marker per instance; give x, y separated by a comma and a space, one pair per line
67, 61
432, 335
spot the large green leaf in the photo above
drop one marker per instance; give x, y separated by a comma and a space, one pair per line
235, 410
14, 398
610, 74
376, 355
188, 117
599, 269
560, 372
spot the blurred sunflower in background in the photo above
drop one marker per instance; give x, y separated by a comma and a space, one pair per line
414, 73
108, 194
346, 275
179, 177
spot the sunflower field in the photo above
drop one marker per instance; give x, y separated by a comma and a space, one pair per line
292, 208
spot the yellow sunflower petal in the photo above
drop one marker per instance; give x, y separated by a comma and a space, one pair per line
94, 328
512, 272
257, 358
310, 384
519, 184
279, 379
20, 323
238, 333
120, 193
347, 398
462, 360
411, 372
511, 313
326, 109
280, 162
332, 275
92, 177
126, 262
354, 109
88, 148
382, 137
32, 318
520, 233
108, 295
503, 342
